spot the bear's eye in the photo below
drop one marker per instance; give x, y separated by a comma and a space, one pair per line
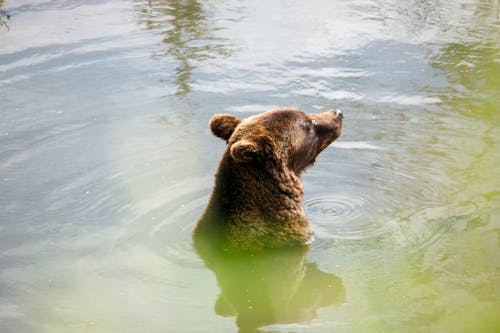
307, 125
310, 125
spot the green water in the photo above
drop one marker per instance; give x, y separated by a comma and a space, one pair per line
106, 163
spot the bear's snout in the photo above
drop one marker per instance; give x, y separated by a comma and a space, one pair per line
339, 114
330, 120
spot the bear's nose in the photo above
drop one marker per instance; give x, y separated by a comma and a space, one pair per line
339, 113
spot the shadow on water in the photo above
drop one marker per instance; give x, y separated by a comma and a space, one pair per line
187, 36
277, 286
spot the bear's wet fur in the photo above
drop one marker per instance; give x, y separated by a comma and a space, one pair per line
257, 199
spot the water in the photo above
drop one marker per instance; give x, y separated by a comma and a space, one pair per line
106, 162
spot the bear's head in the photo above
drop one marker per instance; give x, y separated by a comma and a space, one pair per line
284, 134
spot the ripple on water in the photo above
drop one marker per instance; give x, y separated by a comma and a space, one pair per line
351, 216
164, 222
339, 208
421, 230
343, 216
374, 193
364, 200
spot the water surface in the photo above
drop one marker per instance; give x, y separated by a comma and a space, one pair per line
106, 162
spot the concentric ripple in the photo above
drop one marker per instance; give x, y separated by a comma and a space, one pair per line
342, 216
338, 208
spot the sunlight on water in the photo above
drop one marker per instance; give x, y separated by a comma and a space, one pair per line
107, 162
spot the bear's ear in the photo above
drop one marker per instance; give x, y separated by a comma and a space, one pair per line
223, 125
244, 150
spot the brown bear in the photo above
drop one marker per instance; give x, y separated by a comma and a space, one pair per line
257, 199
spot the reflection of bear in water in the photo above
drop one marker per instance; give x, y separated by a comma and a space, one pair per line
253, 232
257, 199
274, 286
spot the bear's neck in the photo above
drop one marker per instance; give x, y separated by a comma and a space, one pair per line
255, 191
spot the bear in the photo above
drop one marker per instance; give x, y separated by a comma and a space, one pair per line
256, 202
